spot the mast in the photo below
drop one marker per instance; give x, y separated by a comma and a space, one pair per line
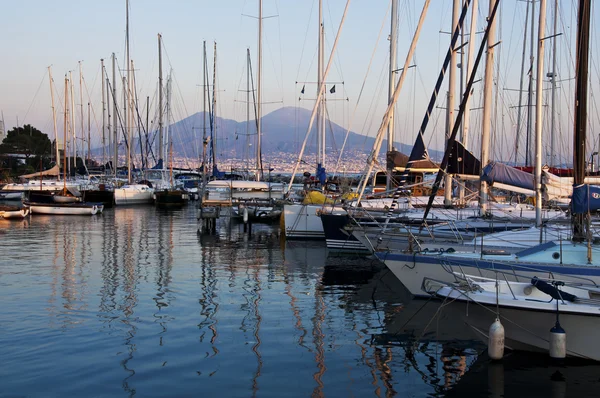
74, 135
538, 115
103, 112
451, 101
246, 153
467, 117
320, 109
392, 85
530, 90
89, 153
66, 118
487, 107
552, 157
214, 109
167, 137
520, 104
115, 117
259, 96
204, 137
127, 93
581, 94
57, 154
160, 101
81, 107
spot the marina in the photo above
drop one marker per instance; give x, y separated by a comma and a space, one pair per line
194, 233
136, 302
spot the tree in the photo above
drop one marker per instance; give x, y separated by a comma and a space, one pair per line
26, 140
29, 142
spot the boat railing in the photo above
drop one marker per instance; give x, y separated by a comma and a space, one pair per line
515, 272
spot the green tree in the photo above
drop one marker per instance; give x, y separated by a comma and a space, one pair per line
29, 142
26, 140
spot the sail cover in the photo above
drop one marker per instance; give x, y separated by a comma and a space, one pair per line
462, 161
53, 172
498, 172
586, 198
418, 159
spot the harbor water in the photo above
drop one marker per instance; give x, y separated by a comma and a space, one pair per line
134, 302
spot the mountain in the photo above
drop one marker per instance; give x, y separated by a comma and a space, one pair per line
283, 133
283, 130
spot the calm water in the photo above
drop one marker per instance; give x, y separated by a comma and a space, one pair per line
135, 302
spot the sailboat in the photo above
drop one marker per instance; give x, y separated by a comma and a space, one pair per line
131, 193
303, 221
64, 205
571, 260
248, 200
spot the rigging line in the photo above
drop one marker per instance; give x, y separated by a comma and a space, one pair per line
280, 49
452, 137
305, 39
34, 97
362, 87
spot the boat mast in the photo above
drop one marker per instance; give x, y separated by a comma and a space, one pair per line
538, 115
379, 137
167, 137
321, 91
552, 157
320, 110
487, 108
66, 118
103, 71
392, 86
520, 104
115, 116
160, 101
57, 154
467, 117
581, 94
530, 90
246, 151
204, 137
74, 135
259, 96
81, 108
127, 93
451, 101
213, 142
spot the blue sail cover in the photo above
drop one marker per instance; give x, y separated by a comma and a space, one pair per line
321, 174
159, 165
498, 172
217, 173
586, 198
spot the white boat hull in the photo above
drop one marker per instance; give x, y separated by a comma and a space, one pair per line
16, 214
411, 269
75, 209
134, 194
527, 323
304, 221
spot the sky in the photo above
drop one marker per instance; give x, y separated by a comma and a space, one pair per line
61, 33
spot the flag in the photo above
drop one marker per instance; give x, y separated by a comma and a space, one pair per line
332, 89
302, 91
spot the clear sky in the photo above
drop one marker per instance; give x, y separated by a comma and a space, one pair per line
40, 33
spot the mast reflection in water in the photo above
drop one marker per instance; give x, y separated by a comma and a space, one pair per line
135, 302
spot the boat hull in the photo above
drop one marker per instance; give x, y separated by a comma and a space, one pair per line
66, 209
527, 330
134, 195
412, 268
170, 198
13, 212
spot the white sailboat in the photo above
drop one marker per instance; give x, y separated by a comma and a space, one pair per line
131, 193
528, 311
